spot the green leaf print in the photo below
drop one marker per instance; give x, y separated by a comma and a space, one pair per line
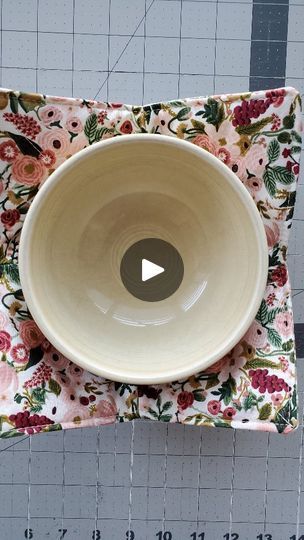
38, 395
284, 137
269, 181
273, 258
274, 337
256, 127
265, 411
54, 387
11, 433
198, 395
295, 149
212, 381
272, 315
214, 113
283, 416
226, 391
11, 271
167, 406
262, 314
165, 417
198, 126
13, 102
259, 363
30, 102
249, 402
288, 121
282, 175
296, 136
288, 345
294, 399
176, 103
90, 127
99, 133
273, 150
153, 413
183, 113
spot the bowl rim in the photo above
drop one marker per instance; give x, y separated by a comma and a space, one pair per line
40, 315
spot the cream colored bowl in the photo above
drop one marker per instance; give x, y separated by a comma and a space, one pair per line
98, 204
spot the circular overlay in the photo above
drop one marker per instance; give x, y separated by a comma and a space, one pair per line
152, 269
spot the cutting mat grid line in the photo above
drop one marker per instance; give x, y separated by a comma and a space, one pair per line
143, 480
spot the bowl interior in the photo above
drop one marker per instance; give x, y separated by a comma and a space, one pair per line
99, 204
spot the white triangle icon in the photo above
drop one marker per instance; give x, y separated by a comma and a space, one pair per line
150, 270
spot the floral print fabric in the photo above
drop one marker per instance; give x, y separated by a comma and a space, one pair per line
258, 136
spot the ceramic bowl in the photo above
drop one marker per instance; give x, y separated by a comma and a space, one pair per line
97, 205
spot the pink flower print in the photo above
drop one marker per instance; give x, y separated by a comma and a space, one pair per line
101, 117
270, 299
238, 166
229, 413
161, 121
75, 413
56, 360
256, 159
4, 320
20, 354
48, 158
45, 345
75, 371
80, 142
214, 407
224, 155
284, 363
276, 122
256, 335
107, 410
217, 367
30, 334
24, 123
5, 341
41, 375
233, 363
203, 141
272, 234
279, 275
284, 324
8, 378
277, 399
254, 184
57, 140
270, 295
9, 218
8, 151
28, 170
185, 400
74, 124
50, 114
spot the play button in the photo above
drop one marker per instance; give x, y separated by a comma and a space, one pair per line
152, 269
